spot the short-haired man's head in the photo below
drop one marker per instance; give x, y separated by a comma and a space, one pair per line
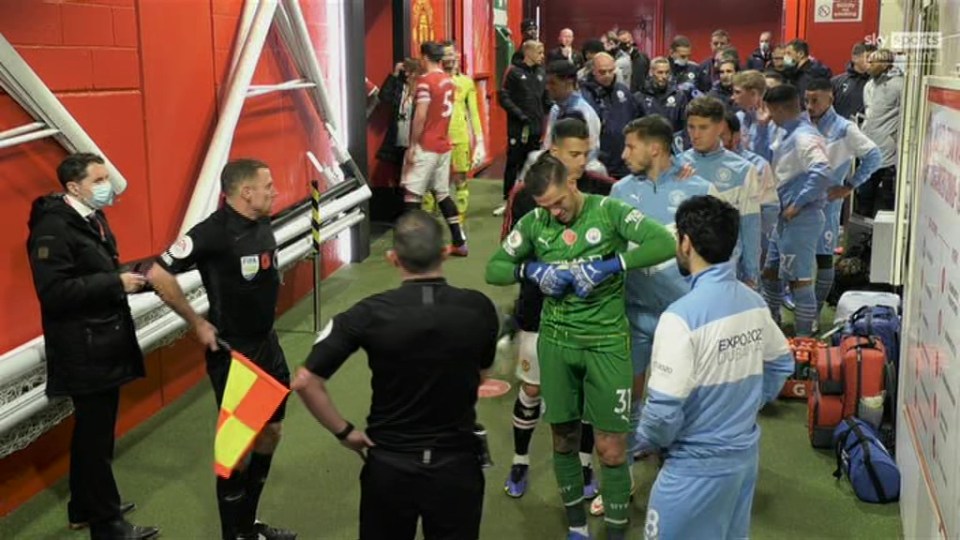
727, 54
432, 51
74, 167
561, 80
545, 172
785, 95
238, 171
563, 70
530, 46
570, 143
709, 226
732, 121
880, 61
860, 56
772, 79
783, 103
862, 47
678, 42
748, 89
651, 129
569, 128
706, 107
704, 121
751, 80
604, 69
719, 39
730, 134
660, 72
820, 84
592, 47
646, 142
818, 97
529, 29
799, 47
418, 242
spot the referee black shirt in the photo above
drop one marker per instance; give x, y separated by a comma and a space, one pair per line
426, 344
237, 259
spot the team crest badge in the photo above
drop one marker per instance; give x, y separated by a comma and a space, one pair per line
525, 365
671, 101
569, 237
621, 97
512, 242
182, 248
249, 266
594, 236
723, 176
676, 197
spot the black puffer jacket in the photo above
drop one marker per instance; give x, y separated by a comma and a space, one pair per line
801, 76
848, 92
524, 97
391, 95
90, 338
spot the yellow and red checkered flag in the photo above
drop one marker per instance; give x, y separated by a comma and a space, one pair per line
249, 400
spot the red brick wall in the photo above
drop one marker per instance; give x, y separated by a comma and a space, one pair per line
142, 77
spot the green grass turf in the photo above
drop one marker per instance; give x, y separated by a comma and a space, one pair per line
165, 465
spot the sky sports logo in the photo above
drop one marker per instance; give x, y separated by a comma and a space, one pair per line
907, 41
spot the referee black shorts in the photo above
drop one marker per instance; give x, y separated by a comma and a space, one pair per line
266, 354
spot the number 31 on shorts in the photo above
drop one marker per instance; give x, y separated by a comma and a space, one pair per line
623, 403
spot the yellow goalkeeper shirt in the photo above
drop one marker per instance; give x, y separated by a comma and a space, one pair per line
465, 97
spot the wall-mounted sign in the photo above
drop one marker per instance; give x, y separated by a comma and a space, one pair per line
834, 11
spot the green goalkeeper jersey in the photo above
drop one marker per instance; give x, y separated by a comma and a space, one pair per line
603, 229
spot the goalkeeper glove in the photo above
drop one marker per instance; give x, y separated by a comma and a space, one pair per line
586, 276
552, 279
479, 155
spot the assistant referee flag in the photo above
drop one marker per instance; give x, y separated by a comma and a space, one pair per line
249, 400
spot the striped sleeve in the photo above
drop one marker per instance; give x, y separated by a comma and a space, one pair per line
423, 93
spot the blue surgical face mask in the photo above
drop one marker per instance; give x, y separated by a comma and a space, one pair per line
788, 61
680, 61
101, 196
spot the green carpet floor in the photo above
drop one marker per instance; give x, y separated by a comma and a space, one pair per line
165, 464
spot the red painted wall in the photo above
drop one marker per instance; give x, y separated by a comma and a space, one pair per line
661, 20
743, 19
142, 77
379, 44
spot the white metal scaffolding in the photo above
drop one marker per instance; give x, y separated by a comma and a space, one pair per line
258, 17
51, 118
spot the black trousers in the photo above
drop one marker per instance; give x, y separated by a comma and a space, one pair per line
516, 156
94, 496
445, 489
877, 193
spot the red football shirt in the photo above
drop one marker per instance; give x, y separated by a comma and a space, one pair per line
436, 89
